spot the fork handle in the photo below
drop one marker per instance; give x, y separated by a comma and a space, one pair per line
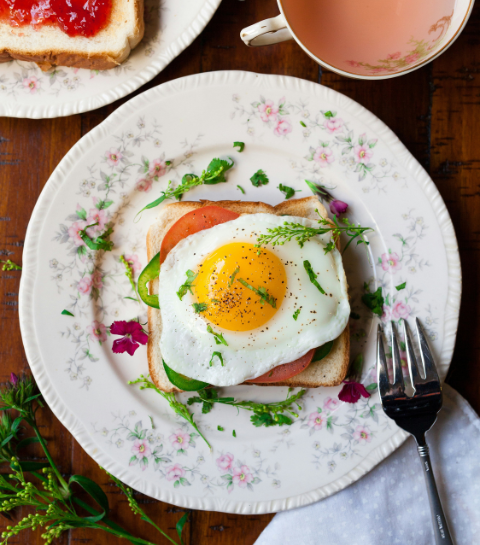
440, 527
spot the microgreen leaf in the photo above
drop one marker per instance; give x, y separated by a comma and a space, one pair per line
218, 355
374, 301
187, 285
313, 277
199, 307
234, 274
289, 191
259, 178
239, 145
218, 336
262, 292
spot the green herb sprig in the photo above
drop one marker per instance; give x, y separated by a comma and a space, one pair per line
129, 275
312, 276
265, 414
9, 265
178, 407
199, 307
259, 178
219, 356
374, 301
97, 243
41, 487
288, 191
213, 174
219, 339
301, 233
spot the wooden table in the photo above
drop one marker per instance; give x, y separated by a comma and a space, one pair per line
435, 111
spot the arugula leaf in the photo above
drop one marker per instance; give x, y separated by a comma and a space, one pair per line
241, 189
296, 313
219, 356
67, 313
401, 286
239, 145
98, 243
261, 292
199, 307
234, 274
374, 301
218, 337
313, 277
322, 351
187, 285
289, 191
259, 178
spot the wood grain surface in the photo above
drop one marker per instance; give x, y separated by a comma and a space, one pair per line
435, 111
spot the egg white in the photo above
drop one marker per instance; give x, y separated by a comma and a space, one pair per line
187, 347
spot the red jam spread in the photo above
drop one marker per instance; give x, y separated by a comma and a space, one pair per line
74, 17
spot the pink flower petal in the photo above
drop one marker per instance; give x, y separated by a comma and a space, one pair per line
125, 344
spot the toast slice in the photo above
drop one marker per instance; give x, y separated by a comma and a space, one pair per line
327, 372
49, 46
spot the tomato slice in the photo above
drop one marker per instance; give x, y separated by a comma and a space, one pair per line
193, 222
287, 370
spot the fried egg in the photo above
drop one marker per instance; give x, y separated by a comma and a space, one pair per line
239, 301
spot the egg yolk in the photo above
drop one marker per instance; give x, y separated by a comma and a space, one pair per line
242, 286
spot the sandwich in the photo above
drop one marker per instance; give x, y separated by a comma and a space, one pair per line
229, 306
97, 34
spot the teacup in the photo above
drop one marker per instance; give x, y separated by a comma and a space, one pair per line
374, 39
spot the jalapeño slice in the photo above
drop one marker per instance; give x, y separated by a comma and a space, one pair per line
183, 382
150, 272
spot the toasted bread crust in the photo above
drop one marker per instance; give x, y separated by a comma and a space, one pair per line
330, 371
76, 58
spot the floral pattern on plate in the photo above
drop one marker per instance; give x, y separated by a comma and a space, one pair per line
122, 166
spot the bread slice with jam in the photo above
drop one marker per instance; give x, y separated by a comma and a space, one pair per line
48, 45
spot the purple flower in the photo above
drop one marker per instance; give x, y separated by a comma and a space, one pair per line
338, 207
13, 379
352, 391
133, 334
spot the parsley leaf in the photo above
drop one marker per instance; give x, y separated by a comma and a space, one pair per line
216, 171
234, 274
289, 191
313, 277
234, 433
218, 336
374, 301
220, 428
187, 286
239, 145
261, 292
296, 313
259, 178
219, 356
98, 243
401, 286
199, 307
67, 313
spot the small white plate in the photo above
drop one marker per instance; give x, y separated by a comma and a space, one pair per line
293, 130
170, 26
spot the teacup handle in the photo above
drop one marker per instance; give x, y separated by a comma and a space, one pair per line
270, 31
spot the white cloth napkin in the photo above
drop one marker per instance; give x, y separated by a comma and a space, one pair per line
390, 504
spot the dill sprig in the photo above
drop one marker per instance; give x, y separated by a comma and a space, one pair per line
302, 233
265, 414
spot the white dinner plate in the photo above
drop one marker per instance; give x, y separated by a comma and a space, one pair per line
294, 130
170, 26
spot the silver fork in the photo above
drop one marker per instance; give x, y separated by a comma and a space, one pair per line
415, 414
